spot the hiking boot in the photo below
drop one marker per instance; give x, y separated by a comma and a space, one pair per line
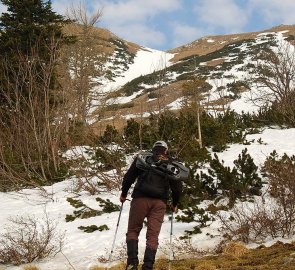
149, 258
132, 253
131, 267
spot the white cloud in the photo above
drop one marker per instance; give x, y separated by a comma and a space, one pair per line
131, 19
140, 34
183, 34
275, 11
122, 12
226, 14
61, 6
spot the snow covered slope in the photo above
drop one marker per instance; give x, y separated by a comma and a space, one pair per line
145, 61
82, 249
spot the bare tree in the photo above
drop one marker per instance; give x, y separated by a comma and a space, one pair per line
159, 82
221, 92
31, 122
82, 61
275, 80
194, 91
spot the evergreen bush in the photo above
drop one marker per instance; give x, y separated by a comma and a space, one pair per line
84, 211
93, 228
241, 181
237, 182
111, 135
109, 159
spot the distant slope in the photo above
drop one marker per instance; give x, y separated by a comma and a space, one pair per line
138, 81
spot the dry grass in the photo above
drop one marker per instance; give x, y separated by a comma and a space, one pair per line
102, 36
120, 266
214, 62
206, 266
30, 267
280, 256
235, 249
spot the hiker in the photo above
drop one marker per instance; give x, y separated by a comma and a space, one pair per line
149, 200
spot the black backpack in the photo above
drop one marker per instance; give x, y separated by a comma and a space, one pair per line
156, 177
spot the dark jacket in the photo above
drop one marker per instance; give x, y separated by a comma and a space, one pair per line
134, 173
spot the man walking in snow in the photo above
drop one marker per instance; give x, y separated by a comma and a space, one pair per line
150, 195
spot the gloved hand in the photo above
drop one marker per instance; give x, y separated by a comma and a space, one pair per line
122, 198
174, 208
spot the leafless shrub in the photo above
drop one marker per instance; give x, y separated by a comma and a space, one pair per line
28, 239
254, 222
97, 182
181, 248
119, 254
280, 172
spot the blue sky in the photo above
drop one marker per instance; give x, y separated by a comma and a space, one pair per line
166, 24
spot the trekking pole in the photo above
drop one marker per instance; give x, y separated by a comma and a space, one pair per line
112, 250
171, 233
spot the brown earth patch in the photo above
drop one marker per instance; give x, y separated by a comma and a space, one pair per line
214, 62
103, 37
141, 105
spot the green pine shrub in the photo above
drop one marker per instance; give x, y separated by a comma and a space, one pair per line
107, 205
154, 94
116, 106
93, 228
180, 130
84, 211
110, 135
240, 182
237, 182
148, 133
109, 159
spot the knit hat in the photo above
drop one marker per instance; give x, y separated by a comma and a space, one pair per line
161, 143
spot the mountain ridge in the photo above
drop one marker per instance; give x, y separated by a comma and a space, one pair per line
137, 81
197, 46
